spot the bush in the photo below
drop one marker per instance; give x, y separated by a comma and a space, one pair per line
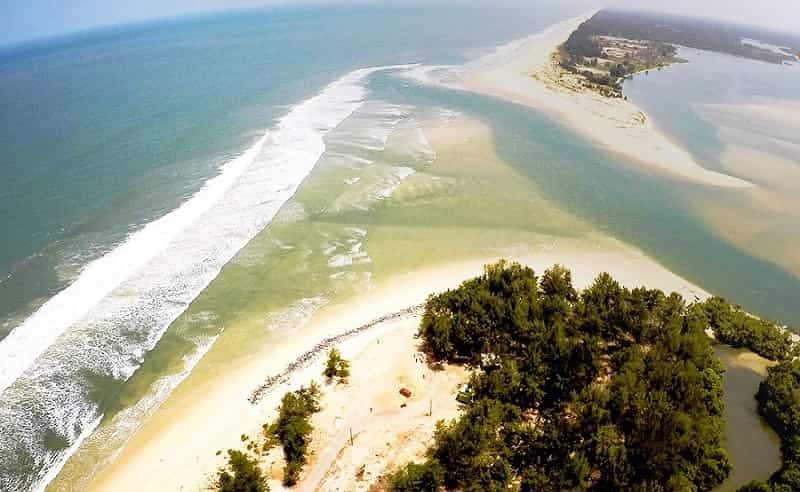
241, 474
293, 429
427, 477
336, 367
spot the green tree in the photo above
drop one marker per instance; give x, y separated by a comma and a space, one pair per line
755, 487
426, 477
293, 428
779, 403
336, 366
241, 474
735, 327
612, 389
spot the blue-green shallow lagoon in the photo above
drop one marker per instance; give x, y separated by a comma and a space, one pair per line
740, 117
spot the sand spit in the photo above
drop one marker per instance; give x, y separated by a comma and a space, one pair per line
525, 72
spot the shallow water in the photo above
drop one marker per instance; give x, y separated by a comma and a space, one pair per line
138, 160
626, 201
740, 117
380, 200
336, 238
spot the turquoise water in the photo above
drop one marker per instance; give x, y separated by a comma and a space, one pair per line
103, 132
137, 161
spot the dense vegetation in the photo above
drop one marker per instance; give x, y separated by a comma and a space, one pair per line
735, 327
779, 403
241, 474
656, 36
694, 33
583, 53
613, 389
292, 429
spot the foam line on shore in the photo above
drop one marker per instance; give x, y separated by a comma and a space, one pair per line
121, 304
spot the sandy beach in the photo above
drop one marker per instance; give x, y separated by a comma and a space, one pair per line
218, 204
524, 72
176, 449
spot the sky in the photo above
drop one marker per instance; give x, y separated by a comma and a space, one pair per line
22, 20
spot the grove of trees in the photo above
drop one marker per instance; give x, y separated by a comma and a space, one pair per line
609, 389
737, 328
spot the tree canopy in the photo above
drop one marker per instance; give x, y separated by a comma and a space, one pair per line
735, 327
336, 367
610, 389
293, 428
241, 474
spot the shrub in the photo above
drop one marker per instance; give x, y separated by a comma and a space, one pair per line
241, 474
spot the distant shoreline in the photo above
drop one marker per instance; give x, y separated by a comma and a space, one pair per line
531, 77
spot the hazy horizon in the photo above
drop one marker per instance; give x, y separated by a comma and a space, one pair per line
41, 19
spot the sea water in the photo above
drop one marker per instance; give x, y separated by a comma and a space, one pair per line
138, 160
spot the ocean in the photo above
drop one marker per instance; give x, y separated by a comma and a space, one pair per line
141, 161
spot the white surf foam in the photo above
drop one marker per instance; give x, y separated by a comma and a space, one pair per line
778, 50
296, 316
113, 437
346, 251
420, 147
392, 181
55, 469
443, 75
294, 146
428, 74
99, 278
350, 157
121, 304
368, 132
